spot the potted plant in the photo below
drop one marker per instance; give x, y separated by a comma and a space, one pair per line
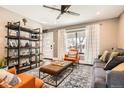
2, 63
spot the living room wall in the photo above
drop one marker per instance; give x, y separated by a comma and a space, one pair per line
9, 16
108, 33
120, 43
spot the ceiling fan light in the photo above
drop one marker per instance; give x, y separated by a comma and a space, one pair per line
98, 13
44, 22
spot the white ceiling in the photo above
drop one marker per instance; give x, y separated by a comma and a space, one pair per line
47, 17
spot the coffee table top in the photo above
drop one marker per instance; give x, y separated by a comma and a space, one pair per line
55, 68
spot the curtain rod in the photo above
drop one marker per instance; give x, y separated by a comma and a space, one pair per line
73, 30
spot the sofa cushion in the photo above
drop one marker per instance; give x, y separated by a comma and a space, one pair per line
98, 63
114, 62
99, 83
28, 81
105, 56
100, 72
99, 78
38, 83
96, 60
12, 70
115, 79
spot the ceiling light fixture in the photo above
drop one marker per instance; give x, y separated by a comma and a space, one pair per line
44, 22
98, 13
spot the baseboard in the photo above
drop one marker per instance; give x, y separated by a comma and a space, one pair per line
85, 64
48, 58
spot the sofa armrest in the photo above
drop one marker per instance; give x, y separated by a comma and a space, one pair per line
12, 70
115, 79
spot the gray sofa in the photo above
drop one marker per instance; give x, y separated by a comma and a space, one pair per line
99, 74
109, 78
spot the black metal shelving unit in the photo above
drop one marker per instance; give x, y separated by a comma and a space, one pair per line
34, 36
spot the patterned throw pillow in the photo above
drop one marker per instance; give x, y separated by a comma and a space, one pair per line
11, 79
105, 56
4, 84
114, 62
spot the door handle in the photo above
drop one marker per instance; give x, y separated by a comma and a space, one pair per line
51, 46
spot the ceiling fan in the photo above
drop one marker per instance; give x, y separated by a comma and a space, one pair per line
63, 10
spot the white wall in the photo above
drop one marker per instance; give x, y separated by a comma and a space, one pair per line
108, 34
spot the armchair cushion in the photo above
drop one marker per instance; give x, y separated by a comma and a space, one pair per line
28, 81
72, 54
12, 70
39, 83
72, 59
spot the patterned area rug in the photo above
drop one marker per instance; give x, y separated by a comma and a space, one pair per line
80, 77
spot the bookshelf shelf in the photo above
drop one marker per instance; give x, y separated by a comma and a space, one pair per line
34, 37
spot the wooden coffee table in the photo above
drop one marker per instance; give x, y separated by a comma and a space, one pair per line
55, 69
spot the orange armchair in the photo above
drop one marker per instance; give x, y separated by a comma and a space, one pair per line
27, 81
74, 56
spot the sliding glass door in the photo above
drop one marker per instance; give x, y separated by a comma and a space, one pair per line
76, 39
80, 38
71, 40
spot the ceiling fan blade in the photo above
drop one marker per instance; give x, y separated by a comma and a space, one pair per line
72, 13
59, 16
51, 8
64, 8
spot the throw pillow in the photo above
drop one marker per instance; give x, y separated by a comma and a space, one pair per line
105, 56
113, 54
72, 54
120, 50
4, 84
1, 80
114, 62
11, 79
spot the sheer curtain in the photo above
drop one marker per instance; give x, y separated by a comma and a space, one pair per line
61, 43
92, 42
